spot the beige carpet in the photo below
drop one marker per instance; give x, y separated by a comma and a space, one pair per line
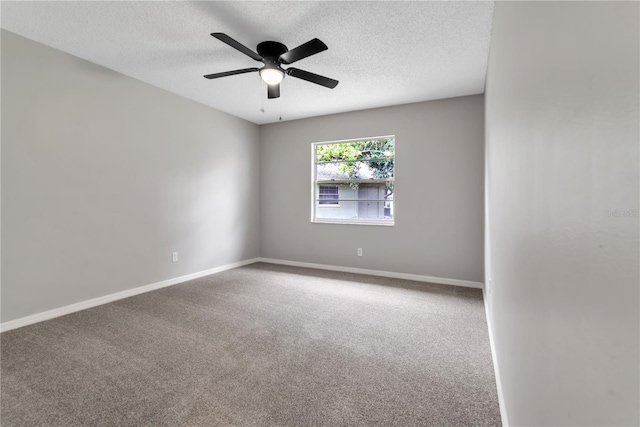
261, 345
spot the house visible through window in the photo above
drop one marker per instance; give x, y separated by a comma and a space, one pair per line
328, 195
356, 179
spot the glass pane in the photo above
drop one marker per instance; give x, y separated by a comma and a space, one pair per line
364, 201
367, 159
353, 210
345, 210
370, 169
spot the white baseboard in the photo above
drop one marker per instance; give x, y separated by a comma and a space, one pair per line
83, 305
406, 276
494, 356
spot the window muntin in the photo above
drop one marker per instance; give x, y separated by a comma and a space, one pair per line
362, 172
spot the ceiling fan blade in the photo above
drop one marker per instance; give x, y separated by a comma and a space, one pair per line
313, 78
307, 49
273, 91
237, 45
230, 73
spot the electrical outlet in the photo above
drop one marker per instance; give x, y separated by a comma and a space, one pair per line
359, 251
174, 257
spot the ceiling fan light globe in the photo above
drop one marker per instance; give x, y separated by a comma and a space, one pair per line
271, 76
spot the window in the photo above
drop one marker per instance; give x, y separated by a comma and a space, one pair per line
356, 179
328, 195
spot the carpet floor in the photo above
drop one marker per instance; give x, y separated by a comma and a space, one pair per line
260, 345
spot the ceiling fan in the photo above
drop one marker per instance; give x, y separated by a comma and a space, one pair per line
273, 55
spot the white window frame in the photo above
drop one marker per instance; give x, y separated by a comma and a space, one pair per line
314, 185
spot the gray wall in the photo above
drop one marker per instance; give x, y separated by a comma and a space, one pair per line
438, 197
103, 176
562, 196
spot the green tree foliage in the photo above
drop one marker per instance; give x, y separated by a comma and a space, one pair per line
378, 154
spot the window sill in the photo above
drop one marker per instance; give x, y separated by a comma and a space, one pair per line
384, 223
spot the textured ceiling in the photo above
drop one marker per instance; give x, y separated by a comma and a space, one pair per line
383, 53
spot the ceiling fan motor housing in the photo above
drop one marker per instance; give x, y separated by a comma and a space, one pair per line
271, 50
